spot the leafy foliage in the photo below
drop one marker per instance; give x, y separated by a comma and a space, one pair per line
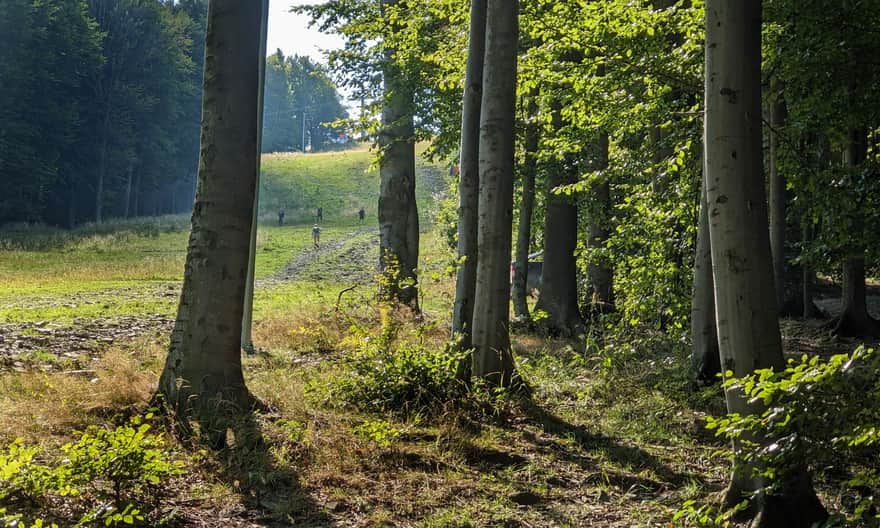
408, 379
109, 476
101, 100
826, 413
301, 103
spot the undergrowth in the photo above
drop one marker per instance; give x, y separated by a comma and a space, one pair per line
107, 477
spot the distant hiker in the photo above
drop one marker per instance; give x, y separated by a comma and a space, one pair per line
320, 216
316, 235
362, 214
281, 217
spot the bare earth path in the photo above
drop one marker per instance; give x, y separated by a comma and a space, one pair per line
74, 345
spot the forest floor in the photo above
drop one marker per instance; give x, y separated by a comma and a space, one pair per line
612, 435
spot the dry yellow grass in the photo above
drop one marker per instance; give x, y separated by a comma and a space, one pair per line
50, 408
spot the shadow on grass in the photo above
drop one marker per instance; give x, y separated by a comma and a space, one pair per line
270, 492
622, 455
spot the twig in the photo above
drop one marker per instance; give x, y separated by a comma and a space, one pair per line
339, 297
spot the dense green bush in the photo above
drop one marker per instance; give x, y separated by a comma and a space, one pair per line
108, 477
406, 379
824, 413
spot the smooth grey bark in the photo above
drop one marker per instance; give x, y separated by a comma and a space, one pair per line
202, 377
469, 181
601, 275
748, 328
492, 358
705, 360
777, 200
527, 205
247, 317
557, 298
398, 216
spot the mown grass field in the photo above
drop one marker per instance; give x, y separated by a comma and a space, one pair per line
84, 323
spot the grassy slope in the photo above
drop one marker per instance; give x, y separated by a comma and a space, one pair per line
594, 446
340, 182
110, 270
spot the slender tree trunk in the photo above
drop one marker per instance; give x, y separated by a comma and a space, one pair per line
136, 205
493, 360
705, 361
748, 328
524, 229
127, 200
398, 216
558, 294
202, 377
71, 207
808, 278
102, 171
777, 200
248, 310
469, 182
601, 275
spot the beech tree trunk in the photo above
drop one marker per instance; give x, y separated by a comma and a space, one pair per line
854, 319
202, 377
469, 181
247, 316
524, 229
601, 275
777, 201
705, 360
748, 328
492, 359
398, 215
558, 294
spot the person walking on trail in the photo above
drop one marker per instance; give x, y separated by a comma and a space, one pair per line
320, 216
362, 214
316, 235
281, 217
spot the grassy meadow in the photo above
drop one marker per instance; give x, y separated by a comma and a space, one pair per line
84, 323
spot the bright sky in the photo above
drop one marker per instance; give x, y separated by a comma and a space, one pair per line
290, 33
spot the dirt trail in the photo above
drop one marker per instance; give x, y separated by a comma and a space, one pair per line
332, 260
55, 346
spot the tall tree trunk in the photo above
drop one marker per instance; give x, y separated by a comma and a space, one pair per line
102, 171
398, 216
854, 319
202, 377
558, 294
71, 206
493, 360
777, 200
748, 328
808, 277
248, 310
127, 200
469, 182
136, 205
601, 275
524, 229
705, 361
